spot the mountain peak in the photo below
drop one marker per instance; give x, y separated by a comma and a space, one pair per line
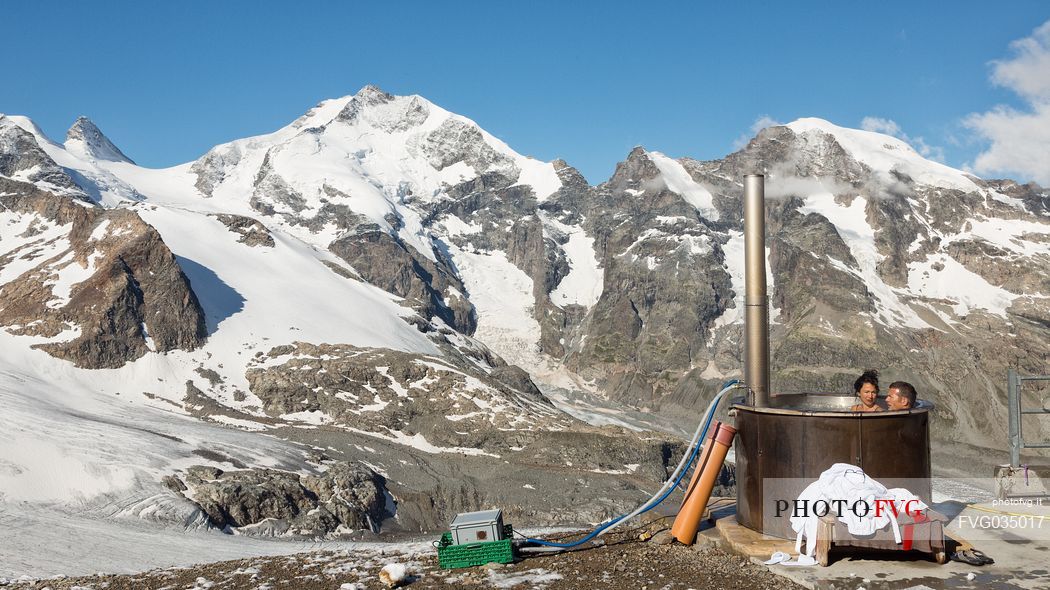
637, 167
372, 94
638, 153
885, 153
85, 139
25, 123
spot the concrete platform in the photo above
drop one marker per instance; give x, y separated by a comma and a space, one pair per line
747, 542
1027, 481
1021, 560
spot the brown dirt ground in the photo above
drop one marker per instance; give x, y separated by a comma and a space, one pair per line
624, 561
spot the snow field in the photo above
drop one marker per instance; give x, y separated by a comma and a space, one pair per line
584, 283
678, 180
884, 153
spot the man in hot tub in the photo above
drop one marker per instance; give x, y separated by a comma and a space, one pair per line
901, 396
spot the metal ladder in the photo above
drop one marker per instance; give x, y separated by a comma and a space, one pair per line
1013, 403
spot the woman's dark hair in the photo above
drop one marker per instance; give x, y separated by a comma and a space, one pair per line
869, 376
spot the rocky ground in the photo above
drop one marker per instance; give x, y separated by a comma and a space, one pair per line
638, 558
429, 431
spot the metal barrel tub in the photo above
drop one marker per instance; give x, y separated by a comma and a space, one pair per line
783, 447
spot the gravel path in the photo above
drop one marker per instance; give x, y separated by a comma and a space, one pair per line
642, 558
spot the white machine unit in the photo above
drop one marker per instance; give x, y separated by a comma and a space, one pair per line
477, 527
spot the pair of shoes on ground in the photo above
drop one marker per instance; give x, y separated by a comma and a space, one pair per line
972, 557
785, 559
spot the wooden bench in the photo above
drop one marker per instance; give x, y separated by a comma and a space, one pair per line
923, 533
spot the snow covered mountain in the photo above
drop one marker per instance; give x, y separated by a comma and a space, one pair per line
384, 299
87, 142
284, 289
878, 258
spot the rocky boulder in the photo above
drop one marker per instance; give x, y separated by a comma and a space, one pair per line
252, 231
22, 158
344, 498
430, 286
101, 284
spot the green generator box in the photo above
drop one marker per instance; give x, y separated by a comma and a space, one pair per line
452, 556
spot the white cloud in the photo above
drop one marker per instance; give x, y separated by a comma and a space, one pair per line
1020, 139
887, 126
759, 124
890, 127
1028, 73
783, 183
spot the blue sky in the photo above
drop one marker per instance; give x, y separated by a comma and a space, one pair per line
581, 81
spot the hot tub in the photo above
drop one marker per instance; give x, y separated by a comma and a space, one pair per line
780, 449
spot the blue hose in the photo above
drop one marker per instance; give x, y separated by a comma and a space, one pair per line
607, 524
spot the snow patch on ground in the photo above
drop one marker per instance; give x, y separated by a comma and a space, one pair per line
454, 226
70, 273
541, 176
502, 295
28, 251
583, 285
535, 578
1008, 234
418, 441
678, 180
309, 417
733, 251
851, 223
100, 231
954, 282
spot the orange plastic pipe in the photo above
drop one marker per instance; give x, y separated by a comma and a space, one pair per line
705, 455
703, 481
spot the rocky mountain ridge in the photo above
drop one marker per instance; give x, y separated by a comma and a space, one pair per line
107, 282
393, 381
87, 141
383, 274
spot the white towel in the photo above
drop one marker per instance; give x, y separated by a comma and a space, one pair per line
859, 492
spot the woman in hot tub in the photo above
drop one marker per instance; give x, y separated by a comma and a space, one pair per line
867, 388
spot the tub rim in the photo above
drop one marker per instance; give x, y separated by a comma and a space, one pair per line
921, 406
